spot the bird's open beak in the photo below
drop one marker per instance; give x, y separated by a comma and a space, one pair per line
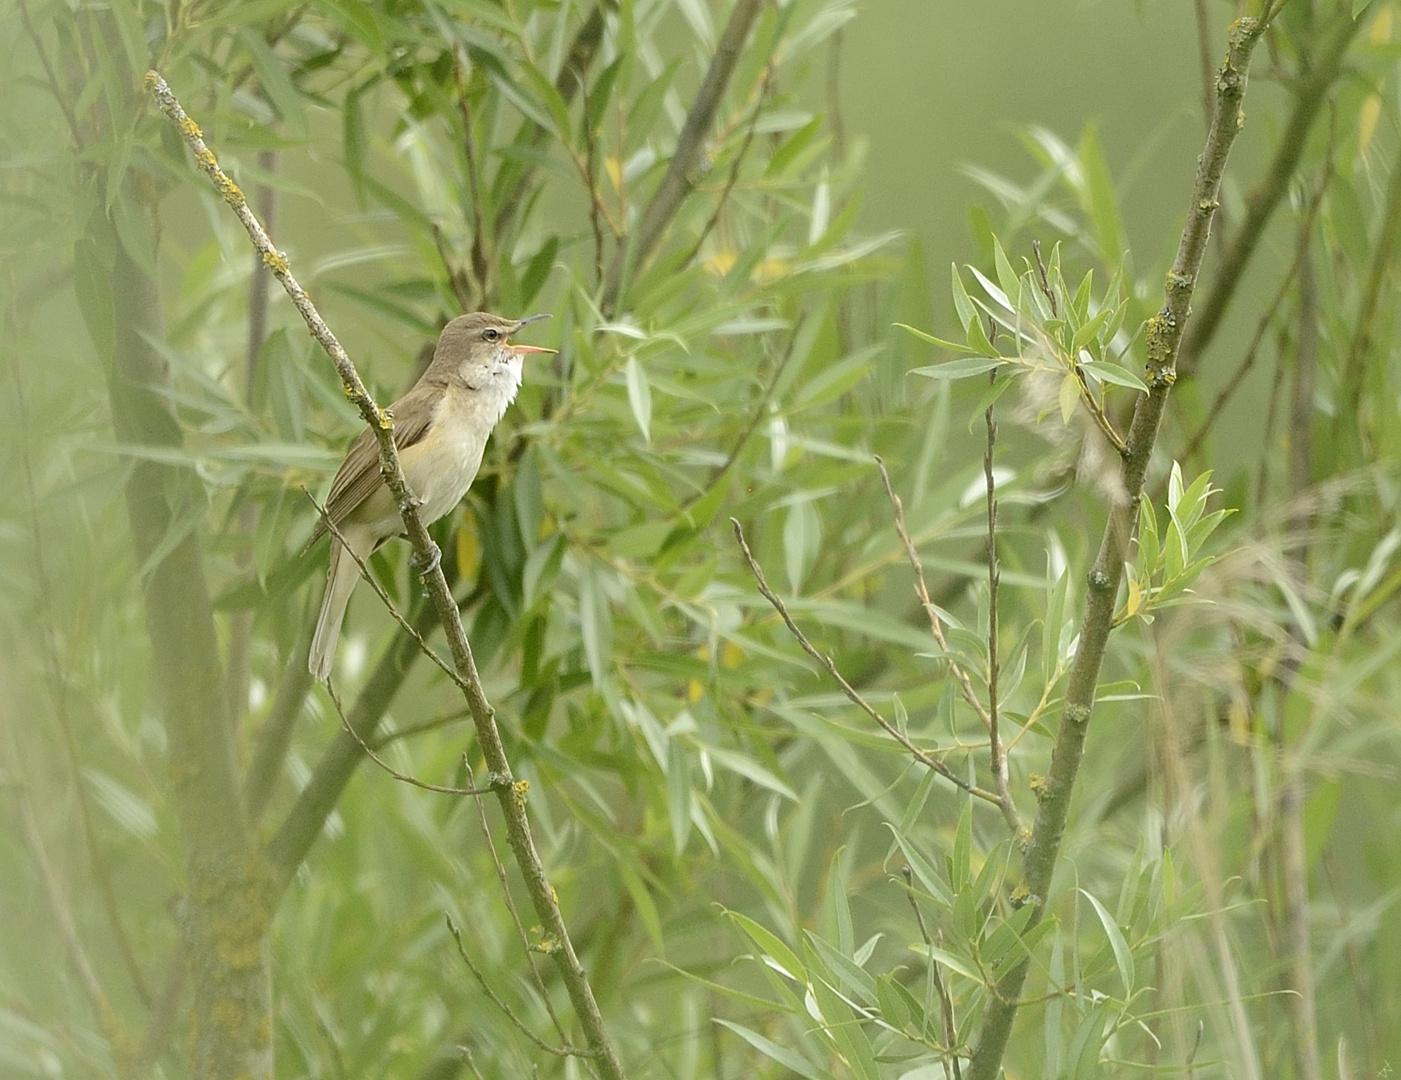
530, 348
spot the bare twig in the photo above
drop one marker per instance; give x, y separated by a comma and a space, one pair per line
996, 752
521, 1025
945, 1003
737, 164
1096, 410
922, 756
64, 105
275, 735
761, 409
1266, 197
510, 793
394, 612
1092, 404
404, 777
482, 262
58, 690
678, 180
1163, 335
936, 624
1347, 423
568, 82
1043, 282
1301, 251
521, 935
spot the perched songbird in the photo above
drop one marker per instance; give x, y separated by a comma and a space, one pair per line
440, 429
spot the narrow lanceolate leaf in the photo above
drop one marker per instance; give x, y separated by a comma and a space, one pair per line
639, 396
1113, 373
959, 369
770, 1049
1122, 956
952, 346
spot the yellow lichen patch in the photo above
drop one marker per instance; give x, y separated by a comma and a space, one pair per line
521, 787
276, 261
1157, 337
191, 130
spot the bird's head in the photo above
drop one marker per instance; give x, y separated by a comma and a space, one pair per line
477, 349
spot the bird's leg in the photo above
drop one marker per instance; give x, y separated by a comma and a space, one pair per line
428, 565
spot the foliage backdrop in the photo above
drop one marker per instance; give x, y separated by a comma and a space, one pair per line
727, 834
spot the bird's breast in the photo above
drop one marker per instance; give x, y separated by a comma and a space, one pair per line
440, 467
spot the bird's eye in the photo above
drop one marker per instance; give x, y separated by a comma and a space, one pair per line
491, 333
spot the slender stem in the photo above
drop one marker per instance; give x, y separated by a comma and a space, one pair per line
1163, 334
1253, 349
1348, 423
1265, 199
738, 162
997, 753
678, 180
945, 1003
829, 665
936, 624
510, 792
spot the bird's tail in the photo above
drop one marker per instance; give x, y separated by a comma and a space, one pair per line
341, 576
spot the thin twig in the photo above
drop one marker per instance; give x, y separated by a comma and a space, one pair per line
1360, 348
481, 260
1266, 197
922, 756
394, 612
58, 690
996, 751
54, 87
761, 409
733, 178
421, 728
590, 173
945, 1003
678, 180
521, 935
57, 895
521, 1025
936, 624
350, 728
1252, 350
1043, 282
1096, 410
1091, 403
511, 794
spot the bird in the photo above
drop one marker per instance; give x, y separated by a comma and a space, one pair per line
440, 430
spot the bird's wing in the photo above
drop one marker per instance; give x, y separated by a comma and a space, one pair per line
358, 476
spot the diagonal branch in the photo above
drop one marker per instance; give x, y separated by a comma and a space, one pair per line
511, 793
1163, 334
1265, 198
829, 665
678, 180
